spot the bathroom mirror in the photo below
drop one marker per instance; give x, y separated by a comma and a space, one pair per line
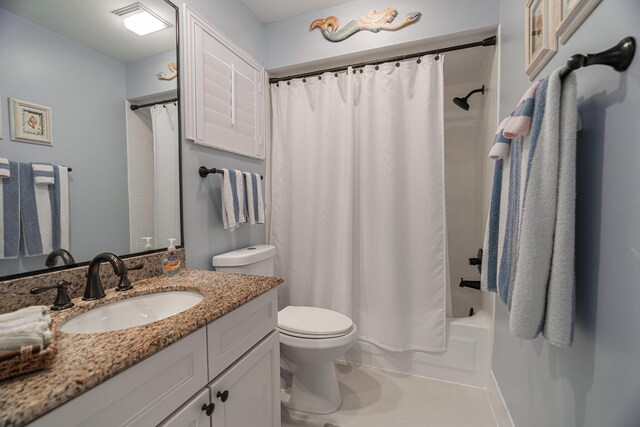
88, 63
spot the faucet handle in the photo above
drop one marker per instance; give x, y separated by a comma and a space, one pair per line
62, 301
125, 284
136, 267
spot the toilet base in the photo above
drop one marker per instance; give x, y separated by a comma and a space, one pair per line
314, 389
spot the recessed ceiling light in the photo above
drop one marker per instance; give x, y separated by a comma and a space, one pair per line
141, 20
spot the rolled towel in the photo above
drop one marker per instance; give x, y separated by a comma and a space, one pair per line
43, 174
5, 171
501, 144
31, 318
255, 202
37, 333
23, 312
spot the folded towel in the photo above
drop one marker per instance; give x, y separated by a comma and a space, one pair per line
10, 212
23, 312
5, 170
44, 210
559, 324
38, 333
255, 202
30, 318
233, 205
533, 264
43, 173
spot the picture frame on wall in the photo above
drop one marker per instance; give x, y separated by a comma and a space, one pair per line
571, 14
30, 122
540, 37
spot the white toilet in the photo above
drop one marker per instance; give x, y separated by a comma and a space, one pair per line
310, 338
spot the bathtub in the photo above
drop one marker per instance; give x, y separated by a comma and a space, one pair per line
466, 360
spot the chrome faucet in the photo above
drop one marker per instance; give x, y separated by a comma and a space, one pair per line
94, 290
63, 254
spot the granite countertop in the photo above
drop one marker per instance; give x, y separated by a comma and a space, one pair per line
83, 361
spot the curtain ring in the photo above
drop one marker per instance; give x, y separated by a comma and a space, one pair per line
397, 63
361, 71
277, 84
419, 60
354, 71
319, 77
437, 55
288, 82
377, 67
336, 75
304, 80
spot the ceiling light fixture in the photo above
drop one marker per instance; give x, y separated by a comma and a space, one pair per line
141, 20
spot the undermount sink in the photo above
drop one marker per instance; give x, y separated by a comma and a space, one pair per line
132, 312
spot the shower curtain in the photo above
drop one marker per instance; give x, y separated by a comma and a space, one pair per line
164, 122
358, 200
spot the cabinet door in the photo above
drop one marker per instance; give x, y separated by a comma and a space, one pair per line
250, 389
224, 101
191, 414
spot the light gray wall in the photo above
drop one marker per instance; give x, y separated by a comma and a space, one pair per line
597, 381
203, 232
86, 92
142, 80
289, 41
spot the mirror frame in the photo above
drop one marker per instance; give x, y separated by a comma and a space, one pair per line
136, 254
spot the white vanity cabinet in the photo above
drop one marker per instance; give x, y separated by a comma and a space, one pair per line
237, 354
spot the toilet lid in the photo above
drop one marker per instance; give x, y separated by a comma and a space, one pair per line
313, 321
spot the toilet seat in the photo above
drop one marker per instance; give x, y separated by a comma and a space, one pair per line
313, 322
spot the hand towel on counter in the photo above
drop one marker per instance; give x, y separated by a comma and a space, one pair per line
43, 174
36, 333
559, 324
5, 170
255, 202
38, 310
44, 210
233, 204
533, 263
30, 318
10, 211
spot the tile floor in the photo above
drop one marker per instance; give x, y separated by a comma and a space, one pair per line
378, 398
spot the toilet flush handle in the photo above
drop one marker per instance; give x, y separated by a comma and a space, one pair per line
223, 395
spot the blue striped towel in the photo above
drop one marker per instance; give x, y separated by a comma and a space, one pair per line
44, 210
255, 202
233, 205
10, 212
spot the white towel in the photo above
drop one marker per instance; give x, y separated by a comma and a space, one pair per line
233, 205
40, 310
31, 318
559, 322
5, 171
533, 263
37, 333
42, 174
255, 202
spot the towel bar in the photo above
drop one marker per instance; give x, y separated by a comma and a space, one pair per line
203, 171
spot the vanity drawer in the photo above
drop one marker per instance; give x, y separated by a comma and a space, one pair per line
144, 394
232, 335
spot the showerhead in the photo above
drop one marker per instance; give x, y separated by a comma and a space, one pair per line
463, 103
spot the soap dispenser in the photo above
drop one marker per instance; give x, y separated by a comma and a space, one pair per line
170, 260
147, 246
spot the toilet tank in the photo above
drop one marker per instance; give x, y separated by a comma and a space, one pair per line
257, 259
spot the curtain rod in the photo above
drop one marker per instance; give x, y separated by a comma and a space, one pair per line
489, 41
134, 107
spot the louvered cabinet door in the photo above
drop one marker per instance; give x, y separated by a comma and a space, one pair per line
227, 97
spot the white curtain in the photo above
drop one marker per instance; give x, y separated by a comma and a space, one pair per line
358, 200
164, 121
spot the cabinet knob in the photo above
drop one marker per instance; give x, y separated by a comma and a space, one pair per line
208, 409
223, 395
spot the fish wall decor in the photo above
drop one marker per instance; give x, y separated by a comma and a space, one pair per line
373, 21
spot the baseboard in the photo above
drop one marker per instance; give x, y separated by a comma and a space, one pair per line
498, 405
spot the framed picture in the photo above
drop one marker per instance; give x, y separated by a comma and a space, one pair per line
571, 14
540, 37
30, 122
